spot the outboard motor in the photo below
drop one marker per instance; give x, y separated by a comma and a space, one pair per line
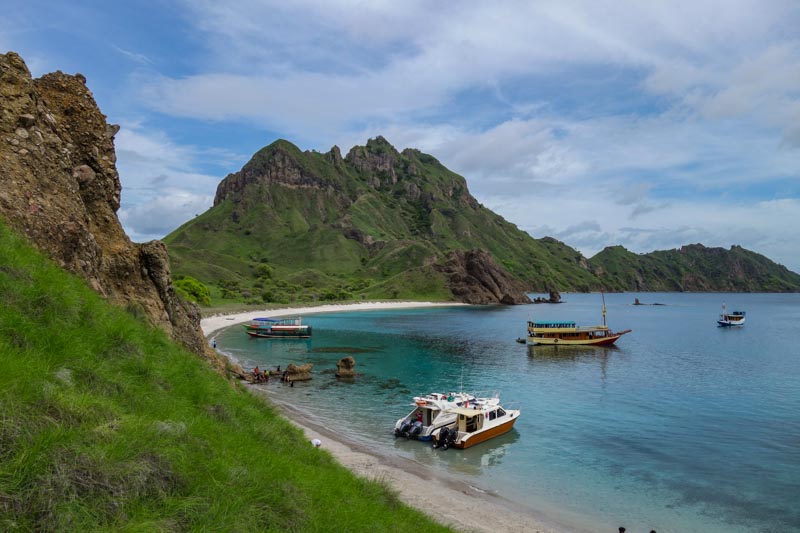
405, 426
447, 437
416, 429
441, 438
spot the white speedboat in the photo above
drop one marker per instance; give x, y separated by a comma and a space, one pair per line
431, 413
476, 422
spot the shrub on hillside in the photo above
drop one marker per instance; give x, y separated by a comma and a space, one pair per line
193, 290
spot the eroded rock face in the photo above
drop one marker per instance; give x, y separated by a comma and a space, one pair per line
59, 186
475, 278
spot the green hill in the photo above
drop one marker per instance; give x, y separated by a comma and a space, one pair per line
108, 425
331, 227
693, 268
295, 226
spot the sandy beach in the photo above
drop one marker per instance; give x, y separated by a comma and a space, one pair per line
214, 323
447, 500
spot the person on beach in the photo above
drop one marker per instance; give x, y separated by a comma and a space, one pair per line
622, 530
214, 344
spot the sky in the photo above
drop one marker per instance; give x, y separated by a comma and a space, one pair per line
649, 125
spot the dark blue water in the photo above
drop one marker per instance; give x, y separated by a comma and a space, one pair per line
683, 426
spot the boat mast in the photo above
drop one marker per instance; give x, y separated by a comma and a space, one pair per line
604, 306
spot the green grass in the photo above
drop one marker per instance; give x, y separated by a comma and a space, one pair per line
108, 425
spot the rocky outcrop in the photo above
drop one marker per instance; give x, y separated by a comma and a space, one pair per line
297, 372
345, 367
378, 159
60, 188
474, 278
276, 164
554, 298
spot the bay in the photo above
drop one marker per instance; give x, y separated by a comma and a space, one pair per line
683, 426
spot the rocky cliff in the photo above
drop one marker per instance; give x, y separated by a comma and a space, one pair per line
59, 186
474, 278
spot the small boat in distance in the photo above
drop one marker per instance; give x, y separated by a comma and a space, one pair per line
285, 328
569, 333
431, 413
735, 318
479, 421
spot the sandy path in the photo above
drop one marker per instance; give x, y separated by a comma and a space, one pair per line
447, 500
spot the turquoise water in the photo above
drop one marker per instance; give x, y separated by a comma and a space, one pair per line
683, 426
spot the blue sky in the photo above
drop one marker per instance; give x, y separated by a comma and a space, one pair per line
645, 124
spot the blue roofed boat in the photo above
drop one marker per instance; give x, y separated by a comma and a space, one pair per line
285, 328
734, 318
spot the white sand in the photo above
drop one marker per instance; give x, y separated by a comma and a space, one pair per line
446, 500
217, 322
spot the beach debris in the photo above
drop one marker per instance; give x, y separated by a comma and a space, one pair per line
345, 367
316, 443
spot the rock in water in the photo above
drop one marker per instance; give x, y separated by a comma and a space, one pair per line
345, 367
298, 372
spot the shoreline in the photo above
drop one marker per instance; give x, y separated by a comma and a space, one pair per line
215, 323
450, 501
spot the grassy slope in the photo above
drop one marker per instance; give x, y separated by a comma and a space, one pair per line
106, 424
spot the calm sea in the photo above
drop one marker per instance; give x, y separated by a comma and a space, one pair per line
683, 426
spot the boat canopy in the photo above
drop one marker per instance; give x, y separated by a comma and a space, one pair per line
265, 320
552, 324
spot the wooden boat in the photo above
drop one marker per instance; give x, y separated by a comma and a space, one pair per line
735, 318
286, 328
569, 333
476, 422
431, 413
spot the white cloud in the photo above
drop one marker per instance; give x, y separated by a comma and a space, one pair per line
764, 227
134, 56
157, 216
670, 108
160, 188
